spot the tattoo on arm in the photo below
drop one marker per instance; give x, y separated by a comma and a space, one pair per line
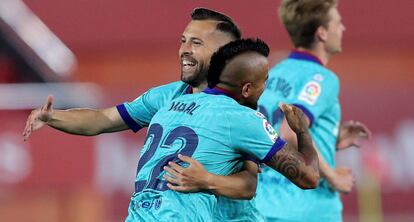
297, 167
288, 163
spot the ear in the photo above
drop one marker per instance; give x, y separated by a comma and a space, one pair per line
246, 89
321, 34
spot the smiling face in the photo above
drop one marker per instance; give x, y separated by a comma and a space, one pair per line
199, 41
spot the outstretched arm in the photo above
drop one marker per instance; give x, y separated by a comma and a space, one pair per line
299, 163
79, 121
241, 185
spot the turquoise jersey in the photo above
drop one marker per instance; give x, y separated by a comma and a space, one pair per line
303, 81
237, 211
234, 210
209, 127
138, 114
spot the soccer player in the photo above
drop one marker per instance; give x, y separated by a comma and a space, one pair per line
315, 28
207, 31
218, 127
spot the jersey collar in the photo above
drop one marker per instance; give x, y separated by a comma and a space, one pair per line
218, 91
302, 55
189, 90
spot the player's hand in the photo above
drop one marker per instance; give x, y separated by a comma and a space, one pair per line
191, 179
351, 133
38, 118
342, 180
295, 118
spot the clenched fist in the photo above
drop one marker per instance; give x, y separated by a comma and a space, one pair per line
295, 117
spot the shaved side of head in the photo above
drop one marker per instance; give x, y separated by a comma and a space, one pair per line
244, 68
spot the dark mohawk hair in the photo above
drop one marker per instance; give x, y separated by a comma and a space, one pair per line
229, 51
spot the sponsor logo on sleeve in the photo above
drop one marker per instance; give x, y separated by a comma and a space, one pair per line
310, 92
269, 130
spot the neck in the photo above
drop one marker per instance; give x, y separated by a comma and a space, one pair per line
199, 88
319, 52
232, 91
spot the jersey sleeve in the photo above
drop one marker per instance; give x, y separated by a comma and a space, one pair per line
138, 113
254, 136
316, 95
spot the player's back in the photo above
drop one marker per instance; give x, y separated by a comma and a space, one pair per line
309, 85
205, 117
194, 125
314, 89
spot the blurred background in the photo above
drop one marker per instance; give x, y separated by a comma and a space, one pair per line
99, 53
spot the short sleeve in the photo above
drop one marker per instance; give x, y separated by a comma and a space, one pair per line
138, 113
254, 136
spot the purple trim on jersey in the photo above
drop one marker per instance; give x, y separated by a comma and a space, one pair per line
134, 126
253, 159
278, 145
218, 91
189, 90
307, 113
302, 55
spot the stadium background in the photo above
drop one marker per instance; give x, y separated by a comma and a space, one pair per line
124, 47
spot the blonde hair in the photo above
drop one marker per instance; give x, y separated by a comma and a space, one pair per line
302, 18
